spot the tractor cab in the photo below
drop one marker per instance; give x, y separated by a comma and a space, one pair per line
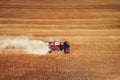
55, 45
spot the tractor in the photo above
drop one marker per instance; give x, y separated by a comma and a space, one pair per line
59, 46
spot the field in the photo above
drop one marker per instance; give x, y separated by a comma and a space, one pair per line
91, 26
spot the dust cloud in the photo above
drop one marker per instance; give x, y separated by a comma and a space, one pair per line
23, 44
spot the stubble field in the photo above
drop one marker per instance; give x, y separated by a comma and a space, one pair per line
92, 28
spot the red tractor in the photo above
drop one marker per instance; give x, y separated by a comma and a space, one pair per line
59, 46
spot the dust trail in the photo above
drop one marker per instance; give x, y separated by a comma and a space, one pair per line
23, 44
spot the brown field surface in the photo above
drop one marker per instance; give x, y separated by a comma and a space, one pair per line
91, 26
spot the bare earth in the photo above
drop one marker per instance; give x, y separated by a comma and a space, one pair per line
91, 26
